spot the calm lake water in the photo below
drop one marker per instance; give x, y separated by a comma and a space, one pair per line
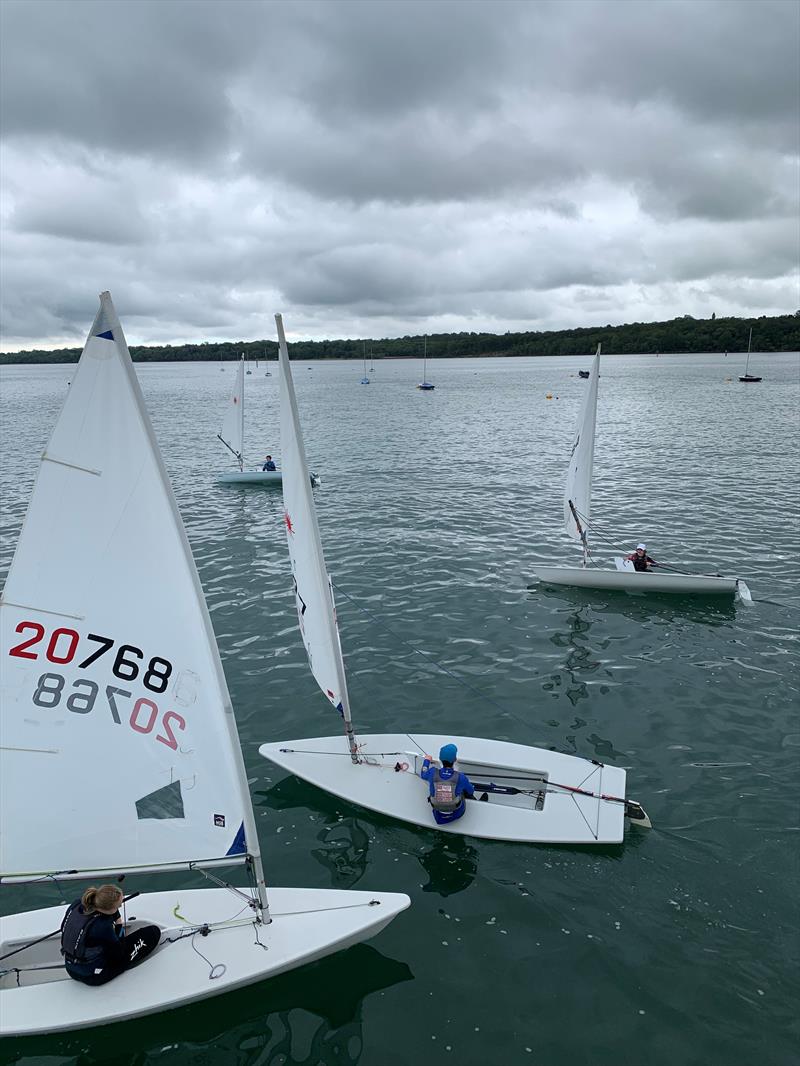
679, 946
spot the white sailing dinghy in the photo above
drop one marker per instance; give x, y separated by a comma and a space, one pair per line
577, 507
232, 436
533, 795
119, 753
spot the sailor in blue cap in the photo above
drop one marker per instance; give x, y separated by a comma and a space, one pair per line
448, 787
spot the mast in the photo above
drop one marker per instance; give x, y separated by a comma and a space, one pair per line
294, 454
251, 835
241, 421
578, 487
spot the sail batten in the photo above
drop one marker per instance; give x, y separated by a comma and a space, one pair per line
316, 610
578, 486
119, 677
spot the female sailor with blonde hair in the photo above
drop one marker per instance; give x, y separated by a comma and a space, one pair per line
93, 940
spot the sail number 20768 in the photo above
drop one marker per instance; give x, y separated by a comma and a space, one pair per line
128, 661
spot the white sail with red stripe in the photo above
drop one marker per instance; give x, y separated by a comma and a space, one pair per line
316, 610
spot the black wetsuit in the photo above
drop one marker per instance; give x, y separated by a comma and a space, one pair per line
103, 954
641, 562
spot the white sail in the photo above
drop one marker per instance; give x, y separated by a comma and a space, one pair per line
313, 592
118, 746
232, 432
578, 487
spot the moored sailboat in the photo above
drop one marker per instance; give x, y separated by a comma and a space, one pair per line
120, 755
748, 377
531, 794
425, 385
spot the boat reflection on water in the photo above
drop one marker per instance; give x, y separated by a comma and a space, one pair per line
345, 844
344, 840
315, 1016
579, 659
640, 608
306, 1017
451, 865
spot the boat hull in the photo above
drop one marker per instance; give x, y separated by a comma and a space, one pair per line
555, 817
307, 924
251, 477
633, 581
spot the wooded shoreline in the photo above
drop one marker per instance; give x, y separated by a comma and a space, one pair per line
678, 336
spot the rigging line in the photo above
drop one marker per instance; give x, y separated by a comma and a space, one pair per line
213, 925
605, 534
210, 927
552, 788
324, 910
225, 884
214, 969
593, 770
416, 744
661, 566
367, 754
594, 835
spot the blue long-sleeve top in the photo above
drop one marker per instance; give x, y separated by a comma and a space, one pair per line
463, 788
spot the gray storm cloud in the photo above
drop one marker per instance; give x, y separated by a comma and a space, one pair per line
383, 168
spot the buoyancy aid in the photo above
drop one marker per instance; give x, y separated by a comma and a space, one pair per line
74, 929
444, 796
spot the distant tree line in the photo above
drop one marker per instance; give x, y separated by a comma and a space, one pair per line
779, 333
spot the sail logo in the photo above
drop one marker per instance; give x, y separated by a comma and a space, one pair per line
287, 519
219, 821
137, 947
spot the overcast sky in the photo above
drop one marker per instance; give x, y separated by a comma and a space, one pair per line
388, 167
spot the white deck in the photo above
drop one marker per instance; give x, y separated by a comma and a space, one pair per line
591, 577
552, 817
307, 924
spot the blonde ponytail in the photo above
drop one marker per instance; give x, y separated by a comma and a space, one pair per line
106, 898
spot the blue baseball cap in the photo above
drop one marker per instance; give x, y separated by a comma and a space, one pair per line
448, 753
